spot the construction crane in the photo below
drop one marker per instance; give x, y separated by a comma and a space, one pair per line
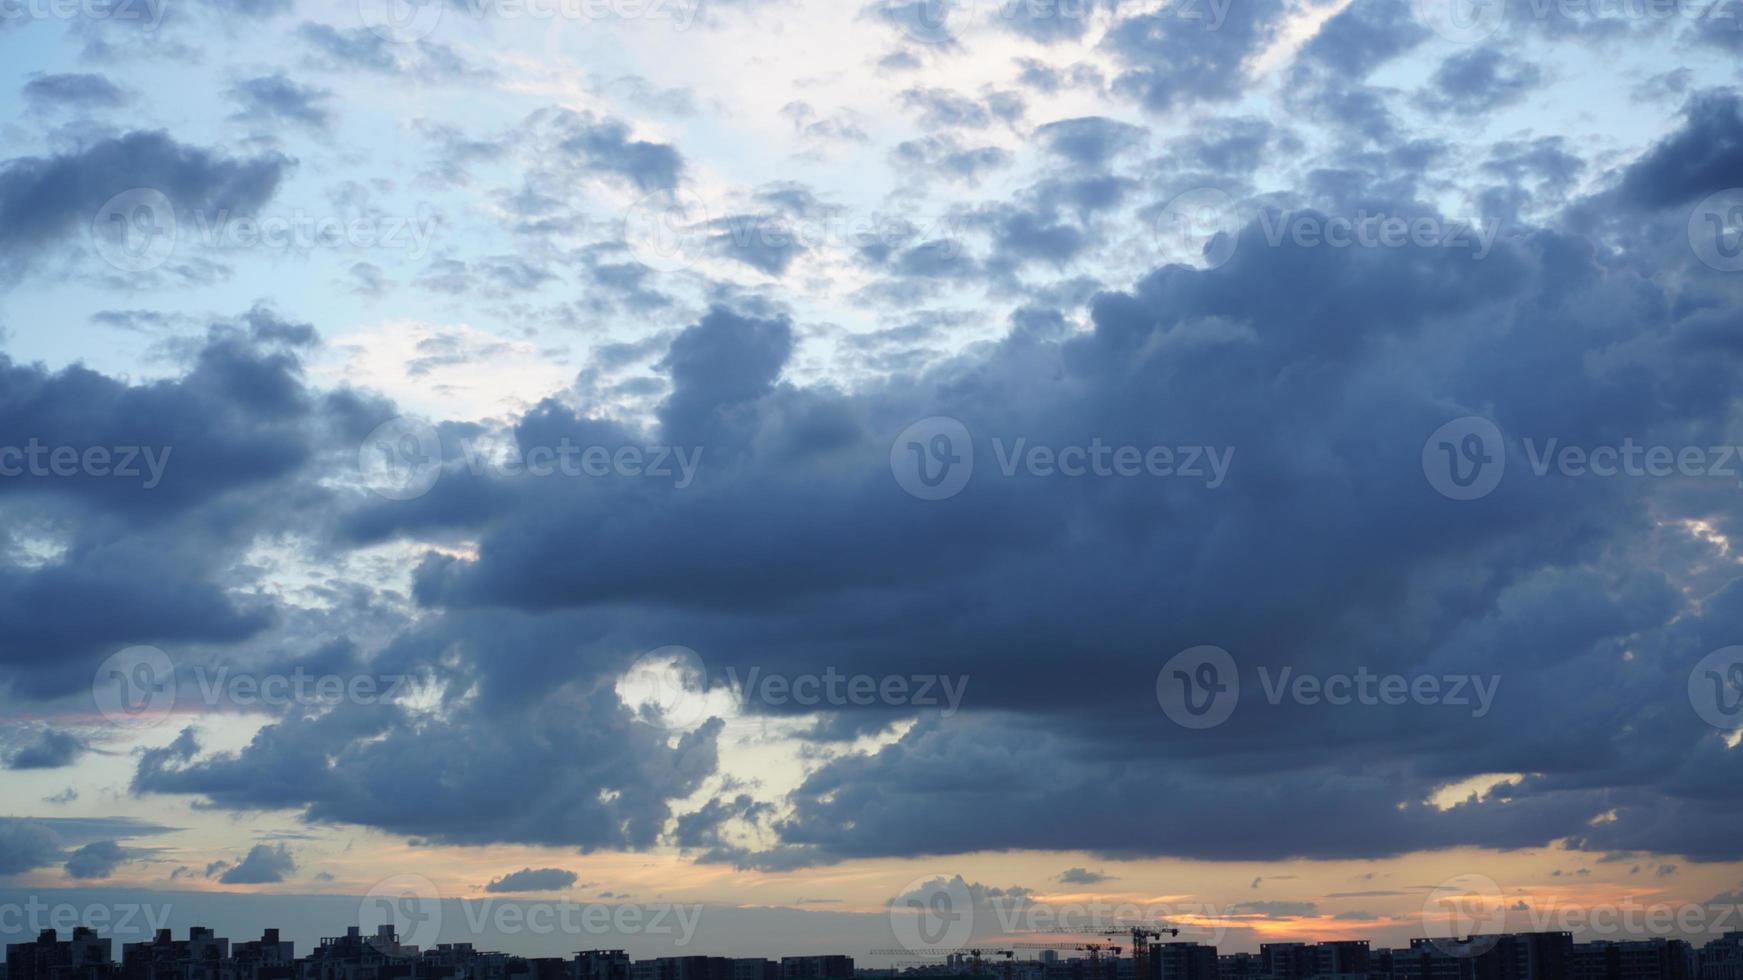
1008, 954
974, 955
1092, 948
1141, 936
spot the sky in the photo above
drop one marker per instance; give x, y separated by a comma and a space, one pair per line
851, 477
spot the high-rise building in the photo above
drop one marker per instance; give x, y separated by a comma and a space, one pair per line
268, 958
1183, 961
1239, 966
816, 968
86, 956
1343, 958
1286, 961
201, 956
1722, 959
600, 964
755, 968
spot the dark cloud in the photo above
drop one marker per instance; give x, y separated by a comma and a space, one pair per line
98, 860
45, 199
1702, 157
1478, 81
1189, 53
942, 154
144, 547
940, 108
76, 91
361, 49
26, 845
264, 864
1275, 910
1323, 369
1091, 141
278, 97
606, 145
532, 880
1363, 36
1083, 876
52, 749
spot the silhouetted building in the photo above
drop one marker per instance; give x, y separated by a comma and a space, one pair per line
268, 958
1431, 959
1286, 961
1722, 959
755, 968
1344, 957
1239, 966
86, 956
1183, 961
1650, 959
816, 968
600, 964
